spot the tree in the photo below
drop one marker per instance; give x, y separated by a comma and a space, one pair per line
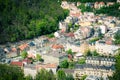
117, 37
81, 61
24, 54
38, 57
64, 64
45, 75
29, 77
61, 75
69, 77
116, 75
8, 72
69, 51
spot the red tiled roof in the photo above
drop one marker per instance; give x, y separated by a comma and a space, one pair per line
23, 46
27, 60
14, 49
17, 63
102, 3
70, 34
46, 66
57, 46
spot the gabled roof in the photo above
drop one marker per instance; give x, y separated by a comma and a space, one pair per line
17, 63
23, 46
57, 46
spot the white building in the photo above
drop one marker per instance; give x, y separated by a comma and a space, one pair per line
103, 29
105, 49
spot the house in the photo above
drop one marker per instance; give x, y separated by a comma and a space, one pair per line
17, 63
91, 77
110, 3
57, 34
63, 26
84, 47
48, 67
96, 70
105, 49
65, 5
118, 1
57, 47
69, 71
23, 46
82, 33
30, 70
86, 23
54, 57
74, 46
98, 5
103, 29
69, 19
100, 61
78, 56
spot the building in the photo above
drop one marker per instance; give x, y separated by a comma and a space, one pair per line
54, 57
100, 61
105, 49
63, 26
89, 69
82, 33
91, 77
118, 1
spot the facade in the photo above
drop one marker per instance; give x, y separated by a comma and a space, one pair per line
118, 1
63, 26
100, 61
54, 57
105, 49
89, 69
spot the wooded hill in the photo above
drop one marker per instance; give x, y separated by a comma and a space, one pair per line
25, 19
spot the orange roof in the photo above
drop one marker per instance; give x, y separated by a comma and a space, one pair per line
23, 46
16, 63
47, 66
14, 49
70, 34
57, 46
102, 3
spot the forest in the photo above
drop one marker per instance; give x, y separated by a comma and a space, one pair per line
26, 19
84, 1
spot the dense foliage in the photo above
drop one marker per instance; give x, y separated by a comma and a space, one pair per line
117, 37
111, 10
45, 75
10, 73
25, 19
116, 75
84, 8
84, 1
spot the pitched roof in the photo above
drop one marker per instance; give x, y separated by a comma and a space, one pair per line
17, 63
47, 66
23, 46
57, 46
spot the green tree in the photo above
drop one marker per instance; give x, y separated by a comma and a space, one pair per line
117, 37
24, 54
38, 57
8, 72
64, 64
69, 77
69, 51
29, 77
81, 61
45, 75
61, 75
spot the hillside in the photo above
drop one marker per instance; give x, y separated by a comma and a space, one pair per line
25, 19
